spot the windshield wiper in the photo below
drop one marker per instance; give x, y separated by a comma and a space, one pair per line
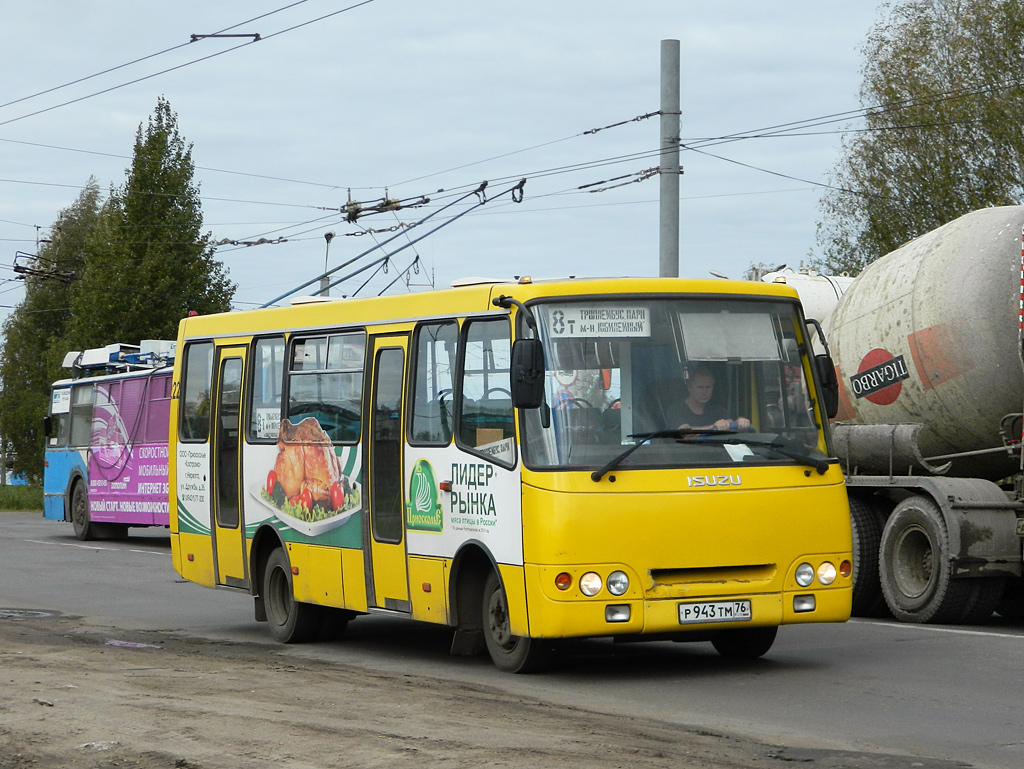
819, 464
644, 437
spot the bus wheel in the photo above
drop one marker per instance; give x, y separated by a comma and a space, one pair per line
914, 568
746, 644
80, 518
290, 621
510, 653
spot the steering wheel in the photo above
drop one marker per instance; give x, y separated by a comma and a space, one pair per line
501, 390
570, 402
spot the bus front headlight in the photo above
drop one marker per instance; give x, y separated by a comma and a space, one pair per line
618, 582
590, 584
804, 574
826, 573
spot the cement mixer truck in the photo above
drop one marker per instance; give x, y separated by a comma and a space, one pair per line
927, 348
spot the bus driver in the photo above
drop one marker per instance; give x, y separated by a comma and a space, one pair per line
696, 412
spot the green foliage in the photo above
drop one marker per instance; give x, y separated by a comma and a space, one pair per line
34, 334
148, 264
15, 499
122, 271
943, 84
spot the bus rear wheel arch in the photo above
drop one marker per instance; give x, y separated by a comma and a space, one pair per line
510, 653
290, 621
81, 520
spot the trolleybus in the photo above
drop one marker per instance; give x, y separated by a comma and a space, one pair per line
106, 440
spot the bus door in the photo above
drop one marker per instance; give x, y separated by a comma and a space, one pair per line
228, 528
387, 580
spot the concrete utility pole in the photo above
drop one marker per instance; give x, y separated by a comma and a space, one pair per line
668, 265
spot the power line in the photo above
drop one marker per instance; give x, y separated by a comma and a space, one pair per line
183, 65
141, 59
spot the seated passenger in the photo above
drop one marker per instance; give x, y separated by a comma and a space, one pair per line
696, 412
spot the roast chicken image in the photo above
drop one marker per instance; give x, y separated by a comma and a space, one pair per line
306, 461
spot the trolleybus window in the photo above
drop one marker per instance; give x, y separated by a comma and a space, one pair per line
81, 415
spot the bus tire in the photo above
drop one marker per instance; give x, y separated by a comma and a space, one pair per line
290, 621
914, 568
866, 525
746, 643
510, 653
81, 520
333, 623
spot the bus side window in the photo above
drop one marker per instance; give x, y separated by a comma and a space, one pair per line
194, 411
265, 394
81, 415
326, 383
486, 417
433, 410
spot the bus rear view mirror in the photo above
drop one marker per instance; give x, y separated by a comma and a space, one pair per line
527, 373
829, 384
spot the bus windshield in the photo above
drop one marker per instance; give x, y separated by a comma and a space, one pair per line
618, 370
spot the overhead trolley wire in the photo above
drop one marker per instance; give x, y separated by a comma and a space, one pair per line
186, 64
143, 58
516, 192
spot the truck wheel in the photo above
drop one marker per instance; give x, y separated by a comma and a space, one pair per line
80, 517
745, 644
510, 653
866, 522
290, 621
1011, 605
986, 594
914, 567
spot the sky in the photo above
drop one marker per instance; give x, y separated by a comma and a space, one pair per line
422, 101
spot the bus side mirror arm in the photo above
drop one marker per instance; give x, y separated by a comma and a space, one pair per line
828, 381
527, 359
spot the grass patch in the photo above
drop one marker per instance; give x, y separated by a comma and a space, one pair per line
17, 499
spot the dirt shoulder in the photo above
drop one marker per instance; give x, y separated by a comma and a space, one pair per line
73, 698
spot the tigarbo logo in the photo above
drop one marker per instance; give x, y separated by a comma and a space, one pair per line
714, 480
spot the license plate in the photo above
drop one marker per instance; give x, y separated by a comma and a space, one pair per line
714, 611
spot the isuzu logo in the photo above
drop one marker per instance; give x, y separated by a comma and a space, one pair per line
714, 480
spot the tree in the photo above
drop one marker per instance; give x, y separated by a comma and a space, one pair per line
122, 271
34, 332
943, 89
148, 265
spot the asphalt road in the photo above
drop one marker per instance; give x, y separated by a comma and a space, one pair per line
936, 692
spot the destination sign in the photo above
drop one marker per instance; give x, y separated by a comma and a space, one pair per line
602, 321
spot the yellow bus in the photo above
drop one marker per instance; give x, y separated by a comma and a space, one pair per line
522, 461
